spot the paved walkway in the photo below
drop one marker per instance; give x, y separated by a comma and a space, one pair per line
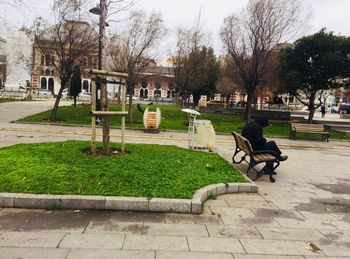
305, 214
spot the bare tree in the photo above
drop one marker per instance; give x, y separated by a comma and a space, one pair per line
132, 51
187, 60
5, 7
67, 43
251, 37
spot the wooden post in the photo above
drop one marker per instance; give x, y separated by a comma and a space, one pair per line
123, 93
105, 121
93, 118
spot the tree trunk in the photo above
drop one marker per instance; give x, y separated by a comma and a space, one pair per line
130, 109
248, 108
57, 102
312, 109
75, 101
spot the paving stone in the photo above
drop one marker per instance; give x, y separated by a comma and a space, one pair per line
79, 202
32, 253
98, 241
170, 205
234, 212
242, 197
338, 236
318, 216
251, 204
240, 256
114, 226
291, 234
195, 219
216, 203
175, 229
109, 254
30, 239
7, 200
191, 255
232, 231
37, 201
277, 213
334, 248
169, 243
222, 245
252, 221
306, 224
277, 247
126, 203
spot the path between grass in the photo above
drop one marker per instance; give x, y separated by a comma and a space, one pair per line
172, 119
145, 171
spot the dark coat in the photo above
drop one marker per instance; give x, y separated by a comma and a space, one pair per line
253, 131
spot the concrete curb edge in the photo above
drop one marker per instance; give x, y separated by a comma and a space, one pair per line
87, 202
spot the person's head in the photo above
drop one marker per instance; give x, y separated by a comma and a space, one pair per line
262, 121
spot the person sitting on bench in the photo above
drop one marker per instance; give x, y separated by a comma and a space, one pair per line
253, 131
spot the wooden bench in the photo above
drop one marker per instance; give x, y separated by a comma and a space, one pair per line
308, 128
255, 157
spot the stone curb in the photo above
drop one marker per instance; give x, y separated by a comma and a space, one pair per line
84, 202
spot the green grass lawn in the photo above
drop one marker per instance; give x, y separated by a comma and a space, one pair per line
145, 171
172, 119
6, 100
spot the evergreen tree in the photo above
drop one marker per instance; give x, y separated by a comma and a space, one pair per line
75, 84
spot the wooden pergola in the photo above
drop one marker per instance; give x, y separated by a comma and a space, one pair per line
99, 76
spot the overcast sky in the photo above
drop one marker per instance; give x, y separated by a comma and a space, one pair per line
332, 14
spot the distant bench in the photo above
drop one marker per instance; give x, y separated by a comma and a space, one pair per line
255, 157
308, 128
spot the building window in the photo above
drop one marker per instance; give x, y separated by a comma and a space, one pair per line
86, 85
42, 60
51, 85
47, 72
43, 83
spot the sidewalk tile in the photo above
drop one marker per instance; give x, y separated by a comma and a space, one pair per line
191, 255
115, 227
337, 236
211, 244
277, 247
233, 231
194, 219
97, 241
334, 248
168, 243
175, 229
251, 204
109, 254
30, 239
251, 221
32, 253
241, 197
237, 212
291, 234
306, 224
240, 256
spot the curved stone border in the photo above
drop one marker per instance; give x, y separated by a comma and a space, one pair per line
85, 202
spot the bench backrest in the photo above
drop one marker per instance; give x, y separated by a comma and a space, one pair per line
242, 143
307, 127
